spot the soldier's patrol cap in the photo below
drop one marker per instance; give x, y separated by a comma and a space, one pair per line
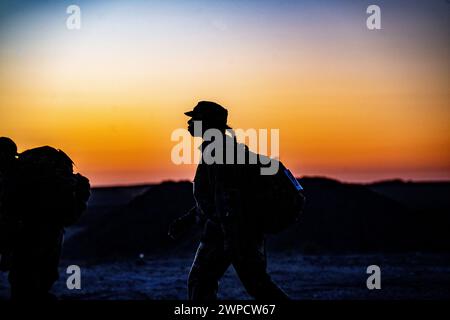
210, 111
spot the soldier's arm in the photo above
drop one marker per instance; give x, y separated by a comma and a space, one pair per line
190, 217
181, 224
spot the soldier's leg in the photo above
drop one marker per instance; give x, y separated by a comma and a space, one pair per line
35, 263
24, 273
20, 281
251, 266
210, 263
50, 256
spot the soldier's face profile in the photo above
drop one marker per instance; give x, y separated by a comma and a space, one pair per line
191, 127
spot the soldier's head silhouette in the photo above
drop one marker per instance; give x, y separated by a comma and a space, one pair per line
211, 115
8, 152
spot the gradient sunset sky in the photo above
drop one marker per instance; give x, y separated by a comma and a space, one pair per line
350, 103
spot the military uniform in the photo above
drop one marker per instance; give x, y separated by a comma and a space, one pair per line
8, 153
230, 236
8, 224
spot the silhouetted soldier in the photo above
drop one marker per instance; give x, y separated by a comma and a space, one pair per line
231, 235
8, 163
43, 197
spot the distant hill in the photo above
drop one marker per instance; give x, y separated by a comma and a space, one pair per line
102, 202
338, 218
115, 196
140, 226
422, 196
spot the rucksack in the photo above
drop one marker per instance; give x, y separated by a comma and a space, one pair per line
278, 199
46, 190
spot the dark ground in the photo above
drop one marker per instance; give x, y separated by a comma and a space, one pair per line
341, 277
325, 256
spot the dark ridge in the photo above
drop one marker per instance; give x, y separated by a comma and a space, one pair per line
338, 218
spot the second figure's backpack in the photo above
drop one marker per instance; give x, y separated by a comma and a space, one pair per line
46, 190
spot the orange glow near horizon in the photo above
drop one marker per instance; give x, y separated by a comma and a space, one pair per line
350, 104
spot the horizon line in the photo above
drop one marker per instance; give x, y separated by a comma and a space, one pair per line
144, 184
